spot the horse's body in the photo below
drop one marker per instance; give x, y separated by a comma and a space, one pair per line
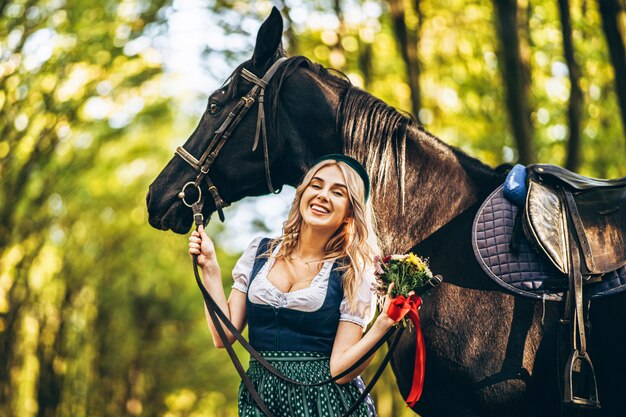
489, 353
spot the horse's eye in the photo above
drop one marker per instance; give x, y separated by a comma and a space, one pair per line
214, 108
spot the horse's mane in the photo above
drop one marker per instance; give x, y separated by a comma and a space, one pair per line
377, 133
372, 131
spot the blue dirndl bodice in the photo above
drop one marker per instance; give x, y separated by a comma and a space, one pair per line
284, 329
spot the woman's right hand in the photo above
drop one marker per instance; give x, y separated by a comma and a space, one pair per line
201, 244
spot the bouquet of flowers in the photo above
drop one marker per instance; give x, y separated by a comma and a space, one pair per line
407, 272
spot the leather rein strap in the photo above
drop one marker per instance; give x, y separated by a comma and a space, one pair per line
221, 136
218, 317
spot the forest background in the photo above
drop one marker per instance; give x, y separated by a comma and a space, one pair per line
99, 313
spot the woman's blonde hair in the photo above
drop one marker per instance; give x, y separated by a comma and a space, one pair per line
353, 245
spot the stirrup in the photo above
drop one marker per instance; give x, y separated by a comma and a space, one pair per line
585, 379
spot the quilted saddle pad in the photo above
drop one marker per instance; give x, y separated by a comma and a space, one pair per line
523, 272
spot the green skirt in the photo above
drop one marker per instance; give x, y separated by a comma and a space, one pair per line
289, 400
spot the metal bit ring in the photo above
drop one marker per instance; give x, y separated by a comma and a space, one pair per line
182, 195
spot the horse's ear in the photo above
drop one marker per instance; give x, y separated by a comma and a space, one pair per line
268, 40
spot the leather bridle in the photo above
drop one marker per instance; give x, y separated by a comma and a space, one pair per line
221, 136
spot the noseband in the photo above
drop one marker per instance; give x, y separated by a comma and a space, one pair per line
221, 135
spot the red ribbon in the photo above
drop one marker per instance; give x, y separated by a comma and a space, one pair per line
398, 308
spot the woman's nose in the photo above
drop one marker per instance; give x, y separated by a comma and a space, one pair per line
323, 193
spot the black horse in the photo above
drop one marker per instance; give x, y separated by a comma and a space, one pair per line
489, 353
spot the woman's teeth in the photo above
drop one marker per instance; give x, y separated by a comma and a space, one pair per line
320, 209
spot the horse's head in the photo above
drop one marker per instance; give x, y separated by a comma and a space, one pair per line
300, 124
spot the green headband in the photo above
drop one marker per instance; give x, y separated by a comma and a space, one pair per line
352, 163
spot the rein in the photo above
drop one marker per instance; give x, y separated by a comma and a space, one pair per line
219, 319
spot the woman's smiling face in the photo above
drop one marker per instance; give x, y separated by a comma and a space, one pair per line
325, 203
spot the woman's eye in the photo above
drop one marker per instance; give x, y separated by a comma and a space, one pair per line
316, 186
214, 108
338, 193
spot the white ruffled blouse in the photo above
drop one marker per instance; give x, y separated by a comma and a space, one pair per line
262, 291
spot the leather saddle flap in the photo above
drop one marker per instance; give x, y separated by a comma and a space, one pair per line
546, 225
602, 229
594, 211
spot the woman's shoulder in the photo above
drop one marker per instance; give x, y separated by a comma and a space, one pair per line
259, 245
257, 241
341, 264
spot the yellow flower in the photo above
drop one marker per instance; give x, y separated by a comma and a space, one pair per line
415, 260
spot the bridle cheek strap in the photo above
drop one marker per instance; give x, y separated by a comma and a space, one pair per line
260, 120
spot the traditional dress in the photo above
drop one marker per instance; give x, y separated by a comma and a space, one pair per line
295, 332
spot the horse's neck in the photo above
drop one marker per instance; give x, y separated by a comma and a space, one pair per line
419, 183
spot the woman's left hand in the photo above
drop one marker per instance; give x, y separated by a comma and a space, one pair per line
385, 320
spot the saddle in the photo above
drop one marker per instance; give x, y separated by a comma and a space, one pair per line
573, 246
561, 205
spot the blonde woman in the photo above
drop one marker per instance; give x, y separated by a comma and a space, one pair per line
307, 295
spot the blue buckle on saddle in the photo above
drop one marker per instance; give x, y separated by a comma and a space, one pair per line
515, 187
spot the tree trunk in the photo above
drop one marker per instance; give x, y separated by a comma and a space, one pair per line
365, 62
50, 382
612, 15
18, 299
516, 78
337, 55
575, 106
407, 42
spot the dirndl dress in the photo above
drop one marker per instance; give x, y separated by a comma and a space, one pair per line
285, 399
299, 345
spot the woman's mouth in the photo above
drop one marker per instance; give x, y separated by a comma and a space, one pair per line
316, 208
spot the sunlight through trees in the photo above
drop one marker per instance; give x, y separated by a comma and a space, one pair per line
99, 315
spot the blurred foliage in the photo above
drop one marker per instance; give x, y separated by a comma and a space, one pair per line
99, 315
96, 317
462, 89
